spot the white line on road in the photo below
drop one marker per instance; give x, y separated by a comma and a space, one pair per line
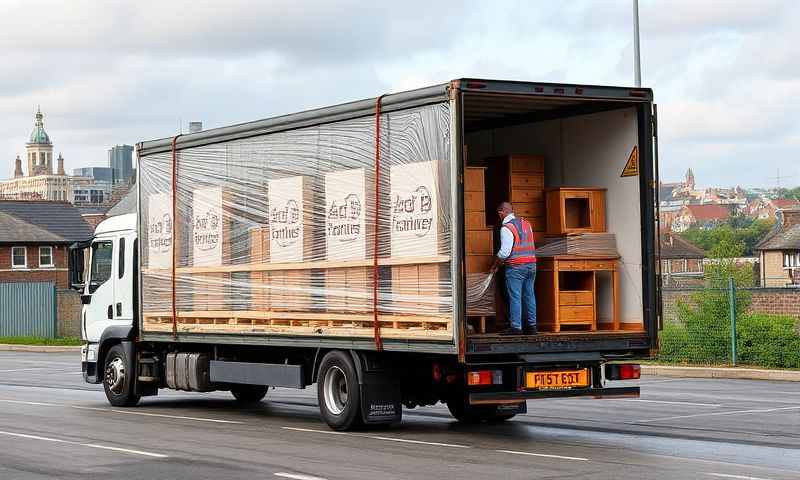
735, 412
738, 477
297, 476
90, 445
545, 455
714, 405
377, 437
162, 415
329, 432
405, 440
41, 404
126, 450
49, 370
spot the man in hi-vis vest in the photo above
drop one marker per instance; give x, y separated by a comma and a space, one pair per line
518, 254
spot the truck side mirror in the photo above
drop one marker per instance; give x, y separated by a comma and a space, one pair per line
77, 252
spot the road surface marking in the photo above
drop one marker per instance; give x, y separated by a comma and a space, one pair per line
90, 445
405, 440
714, 405
329, 432
738, 477
43, 404
35, 437
126, 450
162, 415
49, 370
297, 476
735, 412
377, 437
545, 455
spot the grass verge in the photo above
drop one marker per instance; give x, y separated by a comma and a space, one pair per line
61, 341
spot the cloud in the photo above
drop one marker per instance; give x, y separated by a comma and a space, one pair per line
725, 74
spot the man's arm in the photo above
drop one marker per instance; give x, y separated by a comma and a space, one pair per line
506, 243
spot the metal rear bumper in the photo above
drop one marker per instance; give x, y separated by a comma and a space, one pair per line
478, 398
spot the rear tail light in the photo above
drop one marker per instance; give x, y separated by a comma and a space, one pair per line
485, 377
624, 371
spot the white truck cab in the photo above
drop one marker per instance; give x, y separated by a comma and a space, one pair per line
105, 273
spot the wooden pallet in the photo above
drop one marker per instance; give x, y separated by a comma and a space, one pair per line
301, 323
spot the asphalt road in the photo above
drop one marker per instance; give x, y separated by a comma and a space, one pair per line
52, 425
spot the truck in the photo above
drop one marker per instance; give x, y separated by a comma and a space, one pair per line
348, 247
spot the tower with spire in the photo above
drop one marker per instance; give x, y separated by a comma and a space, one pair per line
39, 149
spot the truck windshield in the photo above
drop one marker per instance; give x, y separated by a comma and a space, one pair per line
101, 264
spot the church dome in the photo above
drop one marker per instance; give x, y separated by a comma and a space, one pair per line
38, 135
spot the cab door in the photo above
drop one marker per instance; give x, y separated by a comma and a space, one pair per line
124, 278
98, 297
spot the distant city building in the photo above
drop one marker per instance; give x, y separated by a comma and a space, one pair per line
40, 183
100, 174
120, 160
703, 216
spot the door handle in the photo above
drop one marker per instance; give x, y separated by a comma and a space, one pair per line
110, 312
119, 309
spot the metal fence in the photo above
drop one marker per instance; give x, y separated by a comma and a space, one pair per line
28, 309
731, 326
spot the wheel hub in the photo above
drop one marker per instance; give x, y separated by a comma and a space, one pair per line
335, 390
115, 375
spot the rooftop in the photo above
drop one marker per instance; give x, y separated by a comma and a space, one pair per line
38, 221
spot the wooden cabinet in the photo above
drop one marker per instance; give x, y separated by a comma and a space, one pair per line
567, 293
520, 180
575, 210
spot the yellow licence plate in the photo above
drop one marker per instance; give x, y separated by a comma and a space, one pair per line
557, 379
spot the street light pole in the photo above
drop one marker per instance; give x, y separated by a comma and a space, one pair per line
637, 68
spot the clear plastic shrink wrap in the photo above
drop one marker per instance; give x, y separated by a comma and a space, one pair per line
276, 234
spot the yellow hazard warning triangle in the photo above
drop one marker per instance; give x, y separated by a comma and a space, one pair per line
632, 166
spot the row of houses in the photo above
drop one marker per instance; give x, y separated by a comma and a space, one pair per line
777, 262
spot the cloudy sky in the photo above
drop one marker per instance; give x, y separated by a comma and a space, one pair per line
726, 73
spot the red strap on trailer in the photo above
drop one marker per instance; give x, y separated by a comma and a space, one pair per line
375, 320
174, 229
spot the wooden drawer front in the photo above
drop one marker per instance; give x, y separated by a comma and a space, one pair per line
601, 264
474, 202
479, 263
475, 221
526, 195
576, 314
571, 265
529, 210
473, 179
537, 223
527, 163
578, 297
479, 241
527, 181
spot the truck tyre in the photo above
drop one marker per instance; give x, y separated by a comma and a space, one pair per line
465, 413
338, 391
118, 378
249, 393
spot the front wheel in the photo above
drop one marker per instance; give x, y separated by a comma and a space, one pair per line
119, 378
338, 391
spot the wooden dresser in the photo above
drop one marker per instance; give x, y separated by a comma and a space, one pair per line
567, 290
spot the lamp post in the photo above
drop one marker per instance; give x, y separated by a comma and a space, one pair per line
637, 68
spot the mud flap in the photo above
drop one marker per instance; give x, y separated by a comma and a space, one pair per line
380, 393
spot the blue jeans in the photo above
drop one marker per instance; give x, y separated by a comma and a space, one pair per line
519, 288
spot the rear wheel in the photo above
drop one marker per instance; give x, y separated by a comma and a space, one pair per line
118, 378
465, 413
338, 391
249, 393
